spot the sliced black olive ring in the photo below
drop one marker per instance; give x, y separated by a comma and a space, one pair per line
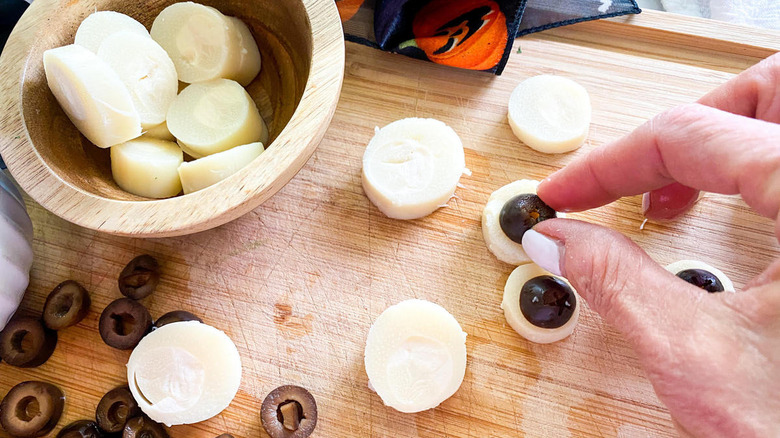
289, 412
115, 408
66, 305
539, 306
26, 343
80, 429
176, 316
140, 277
701, 275
31, 409
124, 323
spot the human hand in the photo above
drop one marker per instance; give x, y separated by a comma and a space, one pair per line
713, 359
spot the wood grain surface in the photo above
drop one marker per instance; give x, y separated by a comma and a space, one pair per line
297, 282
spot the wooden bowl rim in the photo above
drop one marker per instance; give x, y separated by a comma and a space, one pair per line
207, 208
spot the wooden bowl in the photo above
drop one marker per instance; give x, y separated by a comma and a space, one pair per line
302, 47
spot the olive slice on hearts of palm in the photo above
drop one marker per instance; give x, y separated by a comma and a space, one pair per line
289, 412
175, 316
140, 277
31, 409
81, 429
702, 279
66, 305
143, 427
547, 301
521, 213
124, 323
115, 408
26, 343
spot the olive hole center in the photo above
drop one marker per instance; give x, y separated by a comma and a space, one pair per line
63, 305
124, 323
117, 413
290, 414
534, 215
28, 408
22, 343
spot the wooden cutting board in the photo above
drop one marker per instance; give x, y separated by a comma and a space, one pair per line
297, 282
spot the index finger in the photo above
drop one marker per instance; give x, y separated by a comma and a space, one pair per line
695, 145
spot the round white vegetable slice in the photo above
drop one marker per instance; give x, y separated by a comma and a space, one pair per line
505, 249
249, 60
92, 95
200, 40
514, 315
160, 131
203, 172
100, 25
412, 167
682, 265
415, 356
147, 167
550, 113
214, 116
147, 72
184, 373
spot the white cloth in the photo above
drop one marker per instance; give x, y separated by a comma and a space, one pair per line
759, 13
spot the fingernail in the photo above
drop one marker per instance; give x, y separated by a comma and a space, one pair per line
544, 251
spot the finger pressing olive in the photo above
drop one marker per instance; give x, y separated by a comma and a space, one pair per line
143, 427
123, 323
26, 343
115, 408
521, 213
66, 305
289, 412
31, 409
80, 429
140, 277
176, 316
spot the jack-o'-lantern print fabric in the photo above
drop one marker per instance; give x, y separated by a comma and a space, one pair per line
470, 34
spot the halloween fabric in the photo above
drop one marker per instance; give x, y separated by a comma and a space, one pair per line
470, 34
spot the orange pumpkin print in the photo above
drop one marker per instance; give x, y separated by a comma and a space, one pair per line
469, 34
348, 8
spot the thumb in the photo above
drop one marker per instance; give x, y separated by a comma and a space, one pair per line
617, 279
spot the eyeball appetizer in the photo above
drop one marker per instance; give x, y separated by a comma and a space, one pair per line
701, 275
510, 212
540, 306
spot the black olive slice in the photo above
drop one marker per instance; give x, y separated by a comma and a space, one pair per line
140, 277
123, 323
521, 213
547, 301
143, 427
66, 305
702, 279
26, 343
289, 412
80, 429
31, 409
176, 316
115, 408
